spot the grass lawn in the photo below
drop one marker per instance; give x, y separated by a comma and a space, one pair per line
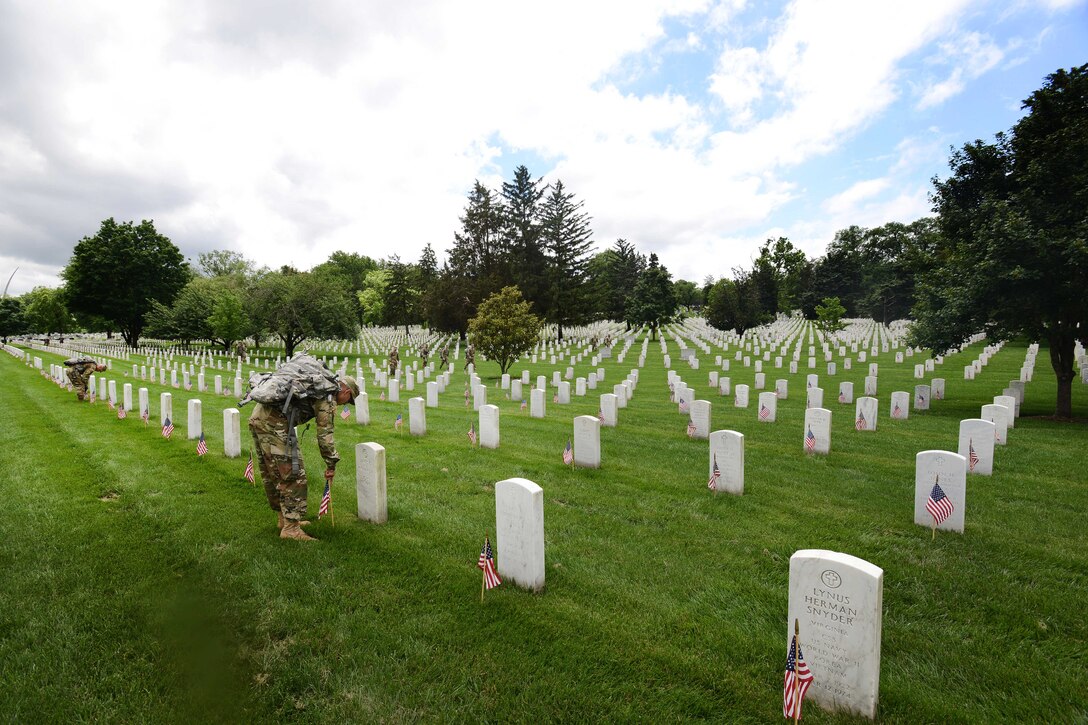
144, 584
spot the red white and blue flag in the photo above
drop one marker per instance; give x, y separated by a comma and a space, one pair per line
600, 414
167, 428
472, 433
691, 428
860, 423
487, 563
972, 457
683, 406
398, 422
345, 413
201, 445
568, 454
764, 412
146, 415
796, 682
938, 504
715, 474
326, 500
121, 412
810, 441
897, 411
248, 473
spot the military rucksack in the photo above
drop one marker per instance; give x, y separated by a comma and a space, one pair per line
82, 359
303, 377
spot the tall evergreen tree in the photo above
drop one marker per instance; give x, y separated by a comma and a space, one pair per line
653, 302
624, 268
525, 253
566, 236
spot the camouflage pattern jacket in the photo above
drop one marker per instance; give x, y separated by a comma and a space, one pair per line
322, 412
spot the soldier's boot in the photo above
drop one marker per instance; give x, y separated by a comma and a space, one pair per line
292, 530
282, 520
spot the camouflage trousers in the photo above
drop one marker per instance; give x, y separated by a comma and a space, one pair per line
286, 491
79, 383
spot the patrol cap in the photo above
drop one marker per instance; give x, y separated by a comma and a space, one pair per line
352, 386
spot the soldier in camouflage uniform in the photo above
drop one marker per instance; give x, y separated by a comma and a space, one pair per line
286, 490
445, 356
79, 372
470, 356
394, 361
240, 348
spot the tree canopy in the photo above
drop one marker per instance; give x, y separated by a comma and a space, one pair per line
1012, 259
653, 302
121, 271
504, 327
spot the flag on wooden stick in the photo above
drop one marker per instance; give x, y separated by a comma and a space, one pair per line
487, 563
201, 445
796, 681
248, 473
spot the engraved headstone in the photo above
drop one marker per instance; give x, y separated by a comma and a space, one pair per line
977, 445
727, 449
838, 600
948, 471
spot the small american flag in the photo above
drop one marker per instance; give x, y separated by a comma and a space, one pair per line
248, 473
921, 401
764, 412
600, 414
382, 397
121, 413
398, 422
715, 474
796, 682
345, 413
472, 433
201, 445
691, 428
523, 405
860, 424
109, 403
167, 428
326, 500
810, 441
91, 391
938, 504
897, 411
188, 386
146, 415
972, 457
683, 406
555, 398
842, 397
487, 563
568, 454
937, 394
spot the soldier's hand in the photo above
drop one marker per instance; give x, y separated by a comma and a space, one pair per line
329, 473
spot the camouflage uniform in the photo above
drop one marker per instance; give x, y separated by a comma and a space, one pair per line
470, 356
240, 348
445, 356
394, 360
79, 374
285, 490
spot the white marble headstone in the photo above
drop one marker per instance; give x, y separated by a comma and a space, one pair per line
817, 435
838, 600
899, 407
977, 445
768, 407
949, 471
865, 413
370, 484
740, 397
489, 426
232, 433
519, 532
727, 448
587, 441
999, 415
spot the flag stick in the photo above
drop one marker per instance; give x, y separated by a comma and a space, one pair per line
796, 679
934, 536
483, 577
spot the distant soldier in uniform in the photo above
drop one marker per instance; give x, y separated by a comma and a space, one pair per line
240, 348
470, 356
286, 488
79, 372
445, 356
394, 361
424, 351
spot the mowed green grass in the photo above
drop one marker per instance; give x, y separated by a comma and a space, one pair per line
144, 584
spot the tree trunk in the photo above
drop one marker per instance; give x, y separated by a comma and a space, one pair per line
560, 326
1061, 359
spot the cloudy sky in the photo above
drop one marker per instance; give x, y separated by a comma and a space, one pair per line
692, 128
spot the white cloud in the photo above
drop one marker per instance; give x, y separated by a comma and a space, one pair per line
288, 133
